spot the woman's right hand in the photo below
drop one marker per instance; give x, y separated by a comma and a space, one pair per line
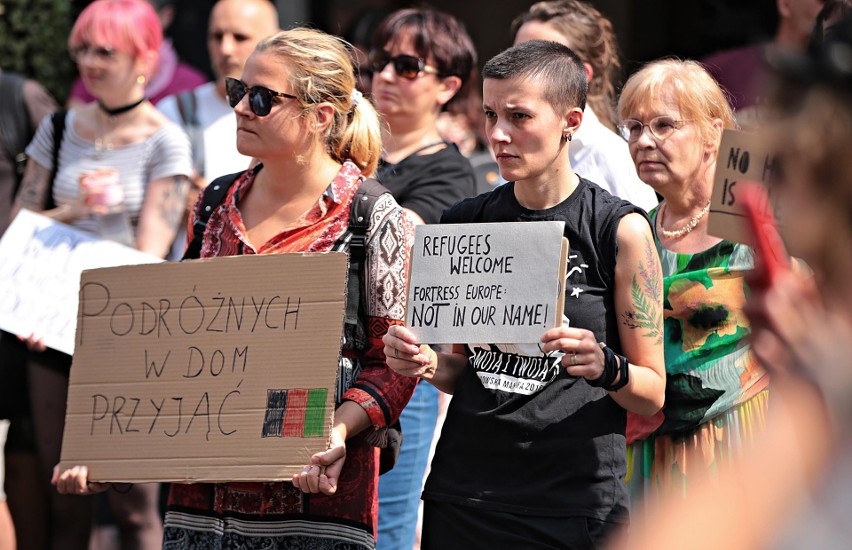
75, 481
405, 356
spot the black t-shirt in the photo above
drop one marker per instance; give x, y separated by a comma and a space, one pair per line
521, 435
429, 184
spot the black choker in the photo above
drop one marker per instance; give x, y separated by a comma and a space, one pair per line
119, 110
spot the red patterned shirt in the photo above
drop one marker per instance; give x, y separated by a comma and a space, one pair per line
235, 514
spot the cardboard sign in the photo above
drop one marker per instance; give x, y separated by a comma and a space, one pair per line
210, 370
40, 275
490, 282
741, 157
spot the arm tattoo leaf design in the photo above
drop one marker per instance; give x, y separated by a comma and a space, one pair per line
647, 299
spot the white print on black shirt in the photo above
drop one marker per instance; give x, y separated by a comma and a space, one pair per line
521, 368
575, 291
514, 368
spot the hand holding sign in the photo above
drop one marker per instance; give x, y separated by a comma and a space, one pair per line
405, 356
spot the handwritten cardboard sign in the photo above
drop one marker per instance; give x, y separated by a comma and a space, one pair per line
494, 282
210, 370
741, 157
40, 274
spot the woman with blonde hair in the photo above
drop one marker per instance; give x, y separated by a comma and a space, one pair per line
791, 489
317, 139
673, 114
596, 152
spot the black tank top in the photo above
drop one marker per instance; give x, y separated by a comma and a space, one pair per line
521, 435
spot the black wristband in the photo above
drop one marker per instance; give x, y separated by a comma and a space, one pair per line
616, 367
610, 371
623, 370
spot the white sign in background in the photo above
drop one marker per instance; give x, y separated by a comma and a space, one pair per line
487, 282
40, 265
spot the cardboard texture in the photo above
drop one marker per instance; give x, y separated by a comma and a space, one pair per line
742, 156
220, 369
494, 282
40, 275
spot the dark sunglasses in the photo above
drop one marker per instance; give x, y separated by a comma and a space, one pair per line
405, 66
260, 97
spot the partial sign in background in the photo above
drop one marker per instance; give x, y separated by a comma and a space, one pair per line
40, 275
742, 156
490, 282
210, 370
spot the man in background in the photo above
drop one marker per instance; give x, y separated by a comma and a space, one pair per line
234, 29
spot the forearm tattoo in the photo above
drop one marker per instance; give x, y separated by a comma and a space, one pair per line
646, 293
34, 190
173, 201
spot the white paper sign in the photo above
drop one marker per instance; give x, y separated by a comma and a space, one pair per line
489, 282
40, 265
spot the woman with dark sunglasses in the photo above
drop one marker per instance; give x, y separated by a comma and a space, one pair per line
122, 173
316, 139
420, 59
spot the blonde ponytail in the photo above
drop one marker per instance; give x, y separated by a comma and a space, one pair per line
322, 71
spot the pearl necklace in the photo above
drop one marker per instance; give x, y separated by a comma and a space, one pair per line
690, 225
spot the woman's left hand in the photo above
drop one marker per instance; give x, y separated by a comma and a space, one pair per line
322, 474
583, 355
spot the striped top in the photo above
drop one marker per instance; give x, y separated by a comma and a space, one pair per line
165, 153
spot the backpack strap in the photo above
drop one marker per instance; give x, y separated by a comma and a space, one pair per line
211, 198
355, 240
188, 109
356, 237
16, 130
58, 120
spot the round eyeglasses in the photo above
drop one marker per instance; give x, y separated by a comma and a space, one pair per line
661, 127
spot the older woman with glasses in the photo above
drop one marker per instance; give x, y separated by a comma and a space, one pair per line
673, 114
420, 59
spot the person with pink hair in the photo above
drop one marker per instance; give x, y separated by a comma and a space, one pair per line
171, 75
142, 161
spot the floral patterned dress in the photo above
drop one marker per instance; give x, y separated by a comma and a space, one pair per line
277, 515
716, 394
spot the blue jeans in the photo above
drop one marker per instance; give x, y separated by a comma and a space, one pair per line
399, 489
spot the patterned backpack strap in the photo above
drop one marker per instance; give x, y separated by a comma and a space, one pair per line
355, 239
